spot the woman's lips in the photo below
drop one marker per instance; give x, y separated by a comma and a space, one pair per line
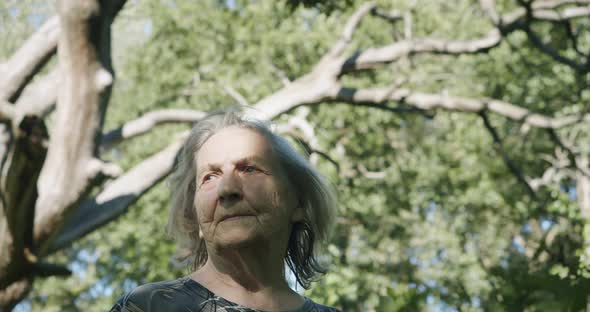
235, 216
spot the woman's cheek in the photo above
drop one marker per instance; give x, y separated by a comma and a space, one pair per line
206, 204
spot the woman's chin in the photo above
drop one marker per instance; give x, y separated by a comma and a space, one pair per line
237, 238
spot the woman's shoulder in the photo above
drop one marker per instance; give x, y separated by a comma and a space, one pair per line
161, 296
311, 306
184, 294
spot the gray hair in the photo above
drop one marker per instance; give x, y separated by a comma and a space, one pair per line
315, 194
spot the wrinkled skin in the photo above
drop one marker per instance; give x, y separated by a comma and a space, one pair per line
243, 197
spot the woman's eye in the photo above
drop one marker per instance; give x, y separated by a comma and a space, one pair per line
208, 178
249, 169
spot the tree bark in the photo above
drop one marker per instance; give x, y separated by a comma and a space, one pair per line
22, 161
30, 216
85, 65
26, 62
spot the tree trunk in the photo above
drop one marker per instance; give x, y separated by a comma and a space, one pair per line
31, 216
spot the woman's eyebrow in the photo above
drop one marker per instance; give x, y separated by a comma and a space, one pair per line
241, 161
208, 167
248, 159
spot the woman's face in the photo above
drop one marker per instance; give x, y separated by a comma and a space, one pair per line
243, 197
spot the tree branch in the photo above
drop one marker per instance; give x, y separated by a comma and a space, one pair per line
391, 17
349, 28
22, 161
531, 14
545, 48
39, 97
543, 11
374, 175
234, 94
512, 166
565, 15
583, 192
46, 269
13, 293
26, 61
569, 31
375, 57
555, 4
118, 195
573, 157
549, 176
85, 65
147, 122
309, 89
425, 101
7, 111
281, 74
489, 8
306, 133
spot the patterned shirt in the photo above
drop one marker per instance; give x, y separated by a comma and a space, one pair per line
187, 295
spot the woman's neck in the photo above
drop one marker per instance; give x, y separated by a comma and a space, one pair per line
249, 277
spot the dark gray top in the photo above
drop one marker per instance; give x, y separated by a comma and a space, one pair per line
187, 295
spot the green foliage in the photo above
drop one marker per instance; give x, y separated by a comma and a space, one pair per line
448, 225
324, 6
18, 20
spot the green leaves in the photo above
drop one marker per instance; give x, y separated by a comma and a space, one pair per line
430, 214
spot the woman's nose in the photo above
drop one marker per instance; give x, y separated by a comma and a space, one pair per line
230, 189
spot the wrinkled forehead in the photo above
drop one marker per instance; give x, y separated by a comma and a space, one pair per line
232, 144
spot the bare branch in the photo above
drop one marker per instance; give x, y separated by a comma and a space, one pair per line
85, 65
545, 11
408, 25
374, 175
558, 170
99, 168
548, 177
234, 94
13, 293
38, 98
284, 79
573, 38
22, 160
566, 14
555, 4
349, 28
147, 122
7, 111
427, 101
489, 8
309, 89
305, 133
401, 109
375, 57
542, 10
322, 83
26, 61
391, 17
118, 195
547, 49
46, 269
512, 165
522, 18
583, 192
575, 159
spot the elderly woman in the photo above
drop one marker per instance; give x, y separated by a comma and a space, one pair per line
244, 204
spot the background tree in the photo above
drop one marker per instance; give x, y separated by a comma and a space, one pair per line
455, 134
